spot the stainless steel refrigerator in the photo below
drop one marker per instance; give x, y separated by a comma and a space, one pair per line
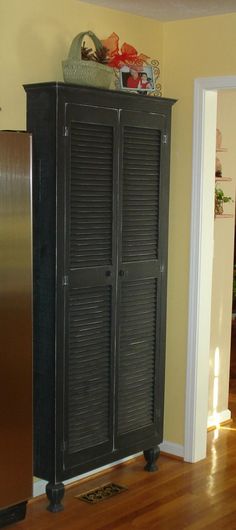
15, 325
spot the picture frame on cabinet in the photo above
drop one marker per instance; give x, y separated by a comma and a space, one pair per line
137, 79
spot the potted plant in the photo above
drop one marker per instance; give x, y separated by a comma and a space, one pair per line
220, 199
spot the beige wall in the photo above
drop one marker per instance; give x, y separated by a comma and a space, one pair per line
35, 36
223, 265
202, 47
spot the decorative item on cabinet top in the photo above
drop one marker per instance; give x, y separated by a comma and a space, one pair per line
140, 80
90, 70
101, 67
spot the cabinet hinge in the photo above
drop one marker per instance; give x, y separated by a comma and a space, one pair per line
66, 131
165, 139
65, 281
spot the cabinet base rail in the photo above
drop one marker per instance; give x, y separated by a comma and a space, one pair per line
55, 492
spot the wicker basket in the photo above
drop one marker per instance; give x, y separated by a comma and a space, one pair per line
88, 73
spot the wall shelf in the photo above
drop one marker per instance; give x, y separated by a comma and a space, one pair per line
224, 216
223, 179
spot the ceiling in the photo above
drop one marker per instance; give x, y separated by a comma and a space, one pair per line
167, 10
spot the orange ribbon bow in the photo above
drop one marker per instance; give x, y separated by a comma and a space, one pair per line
127, 56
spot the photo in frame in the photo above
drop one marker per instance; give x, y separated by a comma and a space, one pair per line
137, 78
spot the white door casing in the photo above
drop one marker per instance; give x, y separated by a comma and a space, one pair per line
201, 262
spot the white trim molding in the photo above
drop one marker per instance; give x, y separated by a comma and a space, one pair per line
219, 418
201, 255
172, 449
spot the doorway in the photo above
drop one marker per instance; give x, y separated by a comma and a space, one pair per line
232, 374
222, 275
201, 262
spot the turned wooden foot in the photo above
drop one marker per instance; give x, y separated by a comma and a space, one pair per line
151, 455
55, 493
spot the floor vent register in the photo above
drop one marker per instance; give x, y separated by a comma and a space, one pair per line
106, 491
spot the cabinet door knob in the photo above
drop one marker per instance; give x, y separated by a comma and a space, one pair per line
121, 273
108, 273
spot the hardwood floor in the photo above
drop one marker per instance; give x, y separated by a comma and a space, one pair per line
178, 496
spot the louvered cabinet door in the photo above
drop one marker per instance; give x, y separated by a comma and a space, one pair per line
140, 367
89, 299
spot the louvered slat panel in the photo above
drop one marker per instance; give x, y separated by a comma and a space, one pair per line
140, 194
89, 367
91, 191
137, 355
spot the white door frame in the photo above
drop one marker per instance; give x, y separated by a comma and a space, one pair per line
201, 258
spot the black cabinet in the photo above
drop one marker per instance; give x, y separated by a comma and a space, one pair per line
100, 201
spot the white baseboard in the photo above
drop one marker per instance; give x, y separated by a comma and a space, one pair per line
172, 449
39, 487
218, 418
